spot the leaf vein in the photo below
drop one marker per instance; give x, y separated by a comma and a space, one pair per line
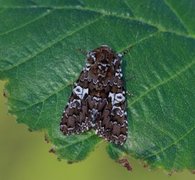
174, 143
63, 87
127, 4
43, 100
39, 116
103, 12
176, 14
51, 44
139, 41
76, 142
162, 83
27, 23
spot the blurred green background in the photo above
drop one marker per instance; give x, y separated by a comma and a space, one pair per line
24, 155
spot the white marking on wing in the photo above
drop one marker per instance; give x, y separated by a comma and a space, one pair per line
116, 98
119, 97
80, 92
112, 96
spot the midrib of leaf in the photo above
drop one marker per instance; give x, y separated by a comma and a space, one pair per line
105, 13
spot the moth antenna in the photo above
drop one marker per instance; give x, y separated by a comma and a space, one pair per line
126, 51
82, 51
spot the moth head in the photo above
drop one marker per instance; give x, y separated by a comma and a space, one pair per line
103, 55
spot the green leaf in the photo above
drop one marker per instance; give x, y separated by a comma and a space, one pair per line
39, 59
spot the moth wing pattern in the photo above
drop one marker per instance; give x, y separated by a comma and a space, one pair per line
75, 116
98, 98
113, 122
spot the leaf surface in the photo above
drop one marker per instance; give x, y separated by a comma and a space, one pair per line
39, 58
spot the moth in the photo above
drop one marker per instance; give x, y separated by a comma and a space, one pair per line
98, 98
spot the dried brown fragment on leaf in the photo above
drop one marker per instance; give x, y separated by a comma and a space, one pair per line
125, 163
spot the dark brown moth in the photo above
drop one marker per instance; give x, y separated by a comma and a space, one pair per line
98, 98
